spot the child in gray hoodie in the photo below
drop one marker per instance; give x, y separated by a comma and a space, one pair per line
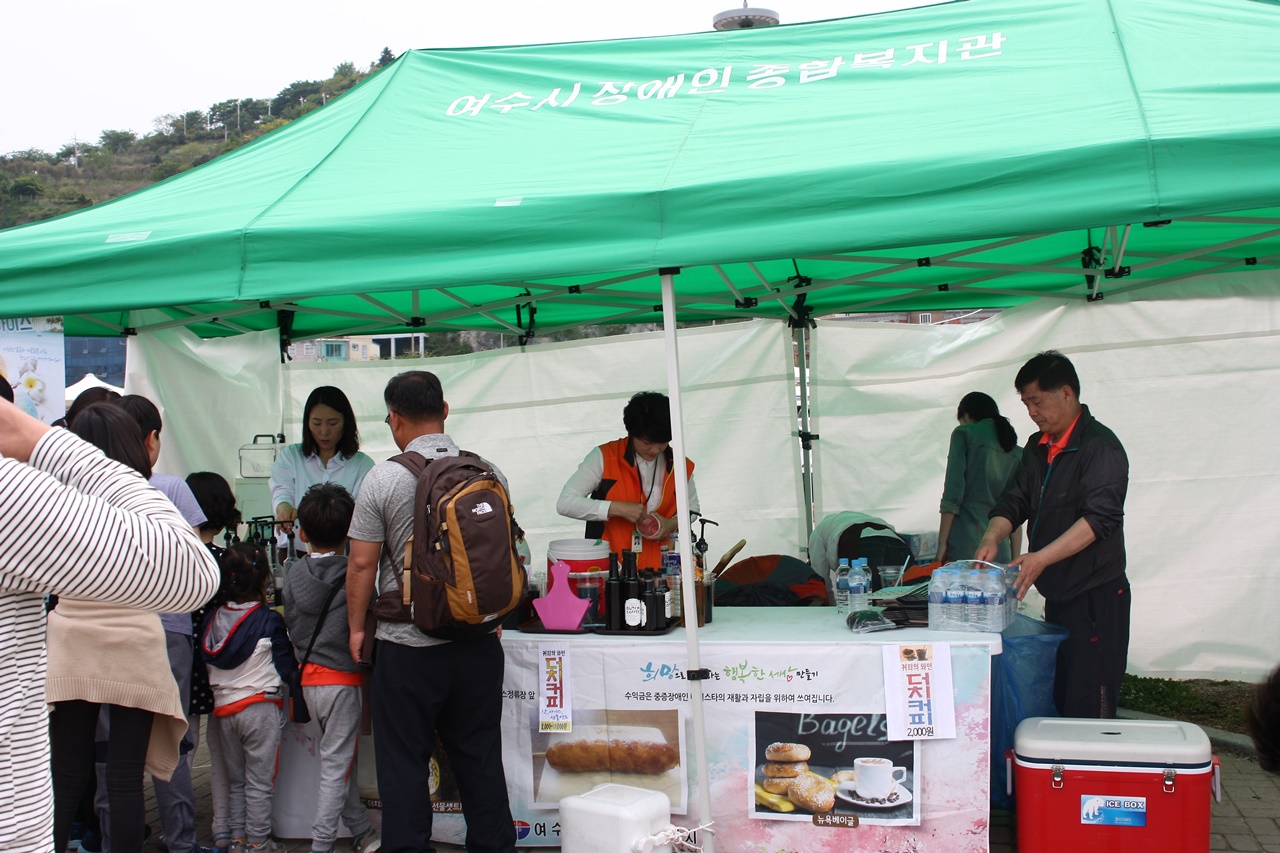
331, 679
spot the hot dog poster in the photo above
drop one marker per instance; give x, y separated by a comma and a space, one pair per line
806, 765
641, 749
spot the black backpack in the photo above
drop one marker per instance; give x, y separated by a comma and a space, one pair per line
462, 572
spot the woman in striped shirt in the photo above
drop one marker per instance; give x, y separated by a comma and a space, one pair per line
58, 493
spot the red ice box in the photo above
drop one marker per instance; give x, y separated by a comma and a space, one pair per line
1112, 786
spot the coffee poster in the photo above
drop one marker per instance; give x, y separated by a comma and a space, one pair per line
829, 768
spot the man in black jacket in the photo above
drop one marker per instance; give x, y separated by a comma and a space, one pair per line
1070, 486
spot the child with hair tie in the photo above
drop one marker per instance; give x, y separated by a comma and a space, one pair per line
250, 660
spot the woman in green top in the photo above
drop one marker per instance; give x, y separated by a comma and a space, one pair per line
984, 451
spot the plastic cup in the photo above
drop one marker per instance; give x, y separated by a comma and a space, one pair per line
890, 575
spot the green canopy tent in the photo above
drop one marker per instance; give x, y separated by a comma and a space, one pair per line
971, 154
963, 155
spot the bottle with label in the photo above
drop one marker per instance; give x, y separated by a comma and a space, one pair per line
953, 599
671, 558
613, 596
632, 590
974, 604
653, 603
993, 594
859, 585
842, 586
676, 584
668, 601
937, 591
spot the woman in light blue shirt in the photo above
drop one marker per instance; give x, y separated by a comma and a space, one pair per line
984, 452
328, 453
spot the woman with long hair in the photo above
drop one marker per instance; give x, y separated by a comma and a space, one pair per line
106, 655
984, 451
328, 453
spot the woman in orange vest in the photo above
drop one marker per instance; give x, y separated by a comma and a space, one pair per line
622, 482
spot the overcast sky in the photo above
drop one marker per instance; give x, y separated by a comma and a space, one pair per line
74, 68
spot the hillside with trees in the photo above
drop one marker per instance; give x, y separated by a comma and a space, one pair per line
37, 184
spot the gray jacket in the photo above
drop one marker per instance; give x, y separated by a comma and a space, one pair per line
305, 589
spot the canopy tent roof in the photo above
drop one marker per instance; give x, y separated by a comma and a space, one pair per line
961, 155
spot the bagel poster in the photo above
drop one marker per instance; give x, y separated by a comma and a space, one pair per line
832, 770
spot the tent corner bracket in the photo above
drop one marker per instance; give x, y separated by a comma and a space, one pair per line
801, 315
746, 302
1119, 272
416, 322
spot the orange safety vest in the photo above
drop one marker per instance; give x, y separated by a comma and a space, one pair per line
621, 482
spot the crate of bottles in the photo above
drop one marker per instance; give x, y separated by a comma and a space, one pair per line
971, 595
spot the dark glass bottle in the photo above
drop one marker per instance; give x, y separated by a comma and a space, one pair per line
613, 596
653, 602
632, 590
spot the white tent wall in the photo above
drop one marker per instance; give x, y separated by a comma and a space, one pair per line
1181, 375
214, 394
536, 412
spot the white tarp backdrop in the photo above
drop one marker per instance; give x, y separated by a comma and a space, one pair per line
1182, 379
535, 413
214, 395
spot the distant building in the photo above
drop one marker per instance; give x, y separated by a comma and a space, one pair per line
103, 357
358, 348
922, 318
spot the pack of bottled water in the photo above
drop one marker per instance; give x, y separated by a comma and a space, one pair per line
971, 595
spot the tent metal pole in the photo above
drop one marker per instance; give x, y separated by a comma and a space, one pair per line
685, 527
806, 447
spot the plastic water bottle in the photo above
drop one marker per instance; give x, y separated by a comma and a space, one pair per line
953, 600
842, 586
993, 594
974, 605
859, 584
937, 593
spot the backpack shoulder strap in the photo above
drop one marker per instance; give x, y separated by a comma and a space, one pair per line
413, 460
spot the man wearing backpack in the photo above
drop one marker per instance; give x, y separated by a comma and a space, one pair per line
423, 685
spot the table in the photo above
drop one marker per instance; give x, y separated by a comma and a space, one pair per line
775, 671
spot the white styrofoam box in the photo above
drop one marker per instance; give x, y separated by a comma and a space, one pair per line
610, 818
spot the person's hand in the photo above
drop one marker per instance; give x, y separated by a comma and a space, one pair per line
631, 512
669, 526
665, 526
1032, 565
987, 551
356, 646
19, 432
285, 513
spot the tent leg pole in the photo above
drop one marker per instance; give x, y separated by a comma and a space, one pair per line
687, 580
806, 446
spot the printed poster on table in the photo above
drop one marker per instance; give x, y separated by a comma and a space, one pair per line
32, 364
555, 696
832, 769
917, 691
